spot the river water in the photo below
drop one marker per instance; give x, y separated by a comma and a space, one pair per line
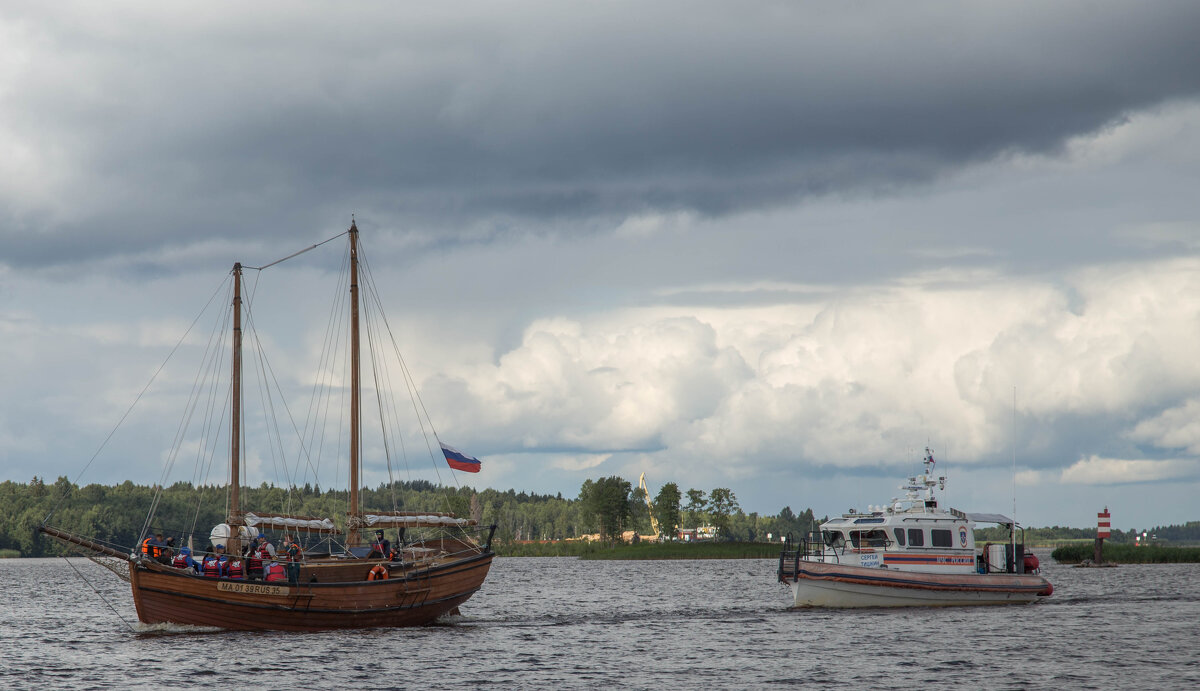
565, 623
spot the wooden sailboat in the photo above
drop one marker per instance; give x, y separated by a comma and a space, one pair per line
420, 582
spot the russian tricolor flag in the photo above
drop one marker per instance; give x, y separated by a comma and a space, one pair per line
459, 460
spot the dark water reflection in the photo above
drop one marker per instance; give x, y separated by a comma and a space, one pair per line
564, 623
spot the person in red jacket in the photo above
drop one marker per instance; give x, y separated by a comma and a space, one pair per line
260, 554
184, 560
213, 565
381, 548
273, 571
235, 568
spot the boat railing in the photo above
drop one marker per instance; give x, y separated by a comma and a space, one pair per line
811, 547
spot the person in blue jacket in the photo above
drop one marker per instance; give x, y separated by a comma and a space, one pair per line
184, 560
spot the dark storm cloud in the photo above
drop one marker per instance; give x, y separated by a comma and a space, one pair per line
167, 129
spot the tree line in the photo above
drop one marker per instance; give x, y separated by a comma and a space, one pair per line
610, 506
117, 514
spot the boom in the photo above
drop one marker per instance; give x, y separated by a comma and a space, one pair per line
649, 506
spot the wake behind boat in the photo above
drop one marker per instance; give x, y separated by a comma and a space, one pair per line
911, 552
440, 560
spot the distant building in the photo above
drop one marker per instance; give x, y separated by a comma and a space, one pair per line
704, 532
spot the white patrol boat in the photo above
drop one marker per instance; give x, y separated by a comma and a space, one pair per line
910, 553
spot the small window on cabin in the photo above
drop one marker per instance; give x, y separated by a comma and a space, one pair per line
916, 537
854, 538
900, 536
941, 538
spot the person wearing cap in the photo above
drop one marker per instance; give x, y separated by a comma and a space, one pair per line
184, 560
214, 564
381, 548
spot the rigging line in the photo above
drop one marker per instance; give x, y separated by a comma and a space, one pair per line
296, 254
189, 412
316, 416
193, 402
390, 400
390, 403
268, 370
212, 356
411, 383
373, 292
264, 390
135, 401
376, 362
94, 590
264, 395
211, 426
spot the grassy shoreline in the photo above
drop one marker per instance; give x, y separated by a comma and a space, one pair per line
645, 550
1128, 554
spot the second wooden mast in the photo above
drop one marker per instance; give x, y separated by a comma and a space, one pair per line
234, 520
353, 539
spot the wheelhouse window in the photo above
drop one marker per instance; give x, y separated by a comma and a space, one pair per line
900, 536
916, 537
941, 538
868, 538
833, 538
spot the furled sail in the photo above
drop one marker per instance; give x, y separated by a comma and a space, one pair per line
415, 521
298, 522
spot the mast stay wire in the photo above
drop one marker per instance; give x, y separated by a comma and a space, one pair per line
265, 368
135, 401
410, 385
422, 414
185, 422
98, 593
386, 404
316, 418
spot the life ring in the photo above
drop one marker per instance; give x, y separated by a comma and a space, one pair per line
378, 572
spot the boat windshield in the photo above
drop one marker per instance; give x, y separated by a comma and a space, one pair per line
833, 538
868, 538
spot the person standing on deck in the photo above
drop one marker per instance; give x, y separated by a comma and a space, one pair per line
381, 547
293, 553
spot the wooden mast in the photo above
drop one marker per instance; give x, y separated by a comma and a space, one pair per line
234, 519
352, 533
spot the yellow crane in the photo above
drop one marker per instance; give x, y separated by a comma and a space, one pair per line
649, 507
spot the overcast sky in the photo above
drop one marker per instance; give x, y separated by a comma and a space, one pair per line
778, 247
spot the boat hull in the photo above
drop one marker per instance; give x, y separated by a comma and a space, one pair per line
415, 598
818, 584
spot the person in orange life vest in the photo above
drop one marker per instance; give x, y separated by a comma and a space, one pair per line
274, 571
381, 547
213, 565
153, 546
184, 560
293, 552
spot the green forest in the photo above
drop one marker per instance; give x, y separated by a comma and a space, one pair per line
605, 507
